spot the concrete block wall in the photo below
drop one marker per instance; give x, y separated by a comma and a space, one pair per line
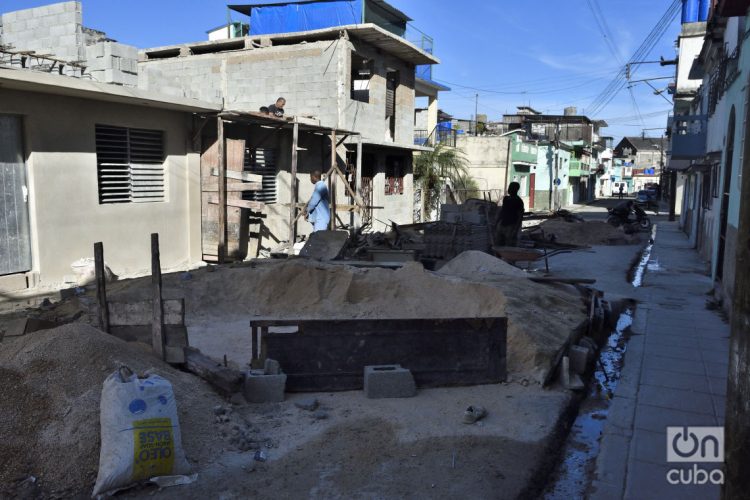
248, 79
112, 62
54, 29
369, 118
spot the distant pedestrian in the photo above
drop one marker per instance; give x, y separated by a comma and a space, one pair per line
317, 211
511, 216
622, 189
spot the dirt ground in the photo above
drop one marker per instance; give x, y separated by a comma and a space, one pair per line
587, 233
349, 447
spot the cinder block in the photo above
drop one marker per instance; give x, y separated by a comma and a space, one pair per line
260, 388
579, 358
389, 381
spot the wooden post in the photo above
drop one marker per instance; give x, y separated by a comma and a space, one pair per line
672, 195
222, 154
332, 183
157, 324
293, 187
358, 180
101, 289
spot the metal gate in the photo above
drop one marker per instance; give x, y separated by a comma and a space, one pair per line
15, 244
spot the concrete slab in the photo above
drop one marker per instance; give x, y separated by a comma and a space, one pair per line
657, 419
676, 399
674, 380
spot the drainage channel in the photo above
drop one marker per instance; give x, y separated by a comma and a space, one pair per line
575, 471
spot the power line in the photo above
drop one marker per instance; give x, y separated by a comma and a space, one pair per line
619, 81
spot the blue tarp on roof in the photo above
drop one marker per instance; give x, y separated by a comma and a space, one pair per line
293, 17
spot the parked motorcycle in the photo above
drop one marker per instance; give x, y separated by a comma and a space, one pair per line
632, 215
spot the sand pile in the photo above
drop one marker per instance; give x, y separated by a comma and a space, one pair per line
474, 263
310, 290
49, 400
541, 317
586, 233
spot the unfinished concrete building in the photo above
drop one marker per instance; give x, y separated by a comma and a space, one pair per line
52, 38
358, 77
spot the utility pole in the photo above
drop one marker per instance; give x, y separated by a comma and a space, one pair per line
476, 116
557, 166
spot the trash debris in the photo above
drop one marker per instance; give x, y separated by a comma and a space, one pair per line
168, 481
309, 404
473, 414
260, 456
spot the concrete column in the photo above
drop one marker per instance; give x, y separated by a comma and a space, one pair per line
432, 113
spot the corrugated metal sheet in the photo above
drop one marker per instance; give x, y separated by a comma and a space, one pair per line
15, 242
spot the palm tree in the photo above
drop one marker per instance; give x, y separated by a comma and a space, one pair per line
436, 168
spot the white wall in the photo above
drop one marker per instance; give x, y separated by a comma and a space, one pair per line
66, 217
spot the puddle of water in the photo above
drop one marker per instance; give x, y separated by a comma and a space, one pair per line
640, 268
582, 446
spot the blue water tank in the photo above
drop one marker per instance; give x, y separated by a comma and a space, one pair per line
690, 11
703, 10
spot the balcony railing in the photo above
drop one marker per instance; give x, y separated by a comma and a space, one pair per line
688, 134
437, 136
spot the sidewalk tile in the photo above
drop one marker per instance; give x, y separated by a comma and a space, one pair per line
649, 446
647, 481
720, 407
656, 419
675, 380
718, 344
676, 399
679, 352
718, 385
673, 340
720, 370
716, 356
655, 362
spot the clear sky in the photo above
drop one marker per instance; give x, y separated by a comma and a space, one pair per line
545, 53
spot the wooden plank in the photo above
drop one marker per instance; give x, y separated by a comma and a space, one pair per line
234, 187
332, 184
141, 312
101, 287
22, 326
569, 281
226, 380
294, 190
175, 339
330, 355
222, 191
157, 324
251, 205
239, 176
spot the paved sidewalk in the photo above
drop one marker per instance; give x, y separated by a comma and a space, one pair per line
675, 374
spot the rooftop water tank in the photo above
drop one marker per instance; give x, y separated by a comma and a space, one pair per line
690, 10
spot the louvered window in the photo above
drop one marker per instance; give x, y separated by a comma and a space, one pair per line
261, 161
130, 164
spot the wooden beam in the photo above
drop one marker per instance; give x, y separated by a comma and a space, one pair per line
239, 176
252, 205
226, 380
332, 184
101, 290
358, 178
222, 191
157, 325
233, 187
293, 194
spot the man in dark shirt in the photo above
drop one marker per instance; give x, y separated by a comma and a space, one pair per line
511, 214
277, 109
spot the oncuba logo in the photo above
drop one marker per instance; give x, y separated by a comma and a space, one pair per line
691, 444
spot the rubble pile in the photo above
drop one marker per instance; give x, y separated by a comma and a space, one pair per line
586, 233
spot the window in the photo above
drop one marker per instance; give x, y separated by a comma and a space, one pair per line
261, 161
706, 190
394, 175
361, 74
130, 164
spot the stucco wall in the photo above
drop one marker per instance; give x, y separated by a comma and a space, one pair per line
66, 217
488, 161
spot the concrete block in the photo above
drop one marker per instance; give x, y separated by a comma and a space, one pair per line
260, 388
271, 367
389, 381
579, 358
